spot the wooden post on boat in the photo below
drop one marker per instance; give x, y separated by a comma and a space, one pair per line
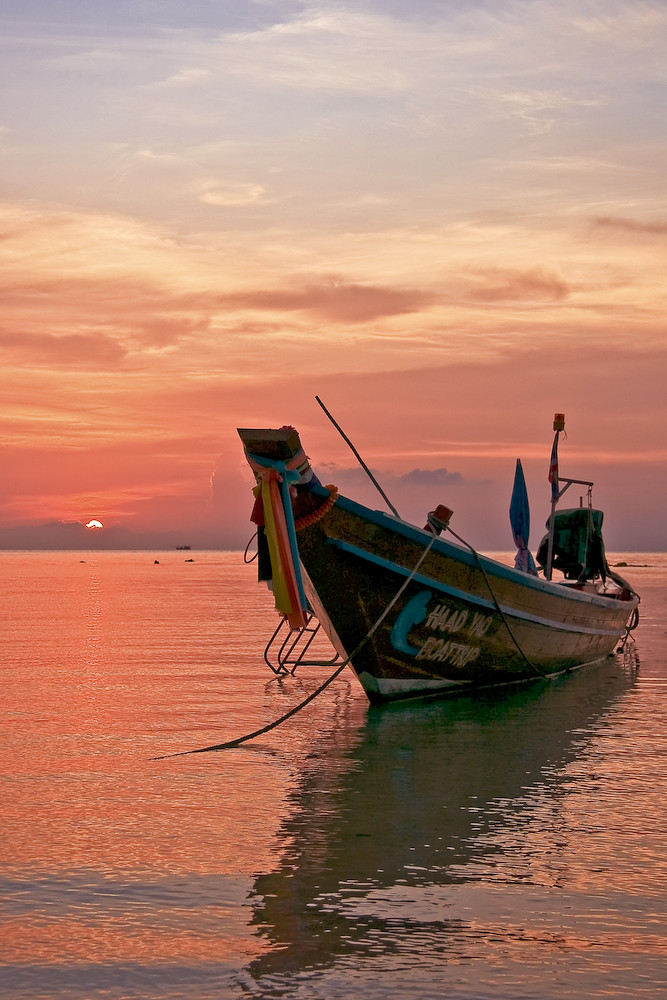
559, 425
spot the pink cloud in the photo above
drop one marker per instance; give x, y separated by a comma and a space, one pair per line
69, 349
657, 228
336, 300
499, 285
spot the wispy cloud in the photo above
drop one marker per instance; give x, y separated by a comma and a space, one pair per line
637, 226
230, 195
499, 285
75, 349
337, 300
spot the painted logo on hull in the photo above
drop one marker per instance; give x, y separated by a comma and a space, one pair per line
454, 629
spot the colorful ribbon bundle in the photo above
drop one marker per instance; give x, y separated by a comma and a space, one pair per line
273, 511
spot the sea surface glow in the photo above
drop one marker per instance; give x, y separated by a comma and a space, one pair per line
493, 847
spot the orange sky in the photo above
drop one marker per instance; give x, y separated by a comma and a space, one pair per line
447, 219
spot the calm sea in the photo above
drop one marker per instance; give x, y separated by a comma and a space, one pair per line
508, 848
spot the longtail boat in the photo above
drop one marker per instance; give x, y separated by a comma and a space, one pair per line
417, 611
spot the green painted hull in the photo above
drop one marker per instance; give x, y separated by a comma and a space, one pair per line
419, 615
462, 622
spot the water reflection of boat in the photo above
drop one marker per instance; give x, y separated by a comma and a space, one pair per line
421, 800
416, 614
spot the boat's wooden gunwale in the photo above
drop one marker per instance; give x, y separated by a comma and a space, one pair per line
567, 623
399, 542
460, 552
499, 662
536, 628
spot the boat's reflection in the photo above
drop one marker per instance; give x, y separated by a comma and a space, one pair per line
421, 796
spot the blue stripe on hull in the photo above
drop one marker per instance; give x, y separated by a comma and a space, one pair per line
470, 598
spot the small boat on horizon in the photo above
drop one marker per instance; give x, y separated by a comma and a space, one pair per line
416, 614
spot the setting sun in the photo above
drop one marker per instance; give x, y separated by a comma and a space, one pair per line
94, 524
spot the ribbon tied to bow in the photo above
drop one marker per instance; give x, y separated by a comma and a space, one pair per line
273, 507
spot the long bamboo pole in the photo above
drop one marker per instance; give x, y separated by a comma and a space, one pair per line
359, 459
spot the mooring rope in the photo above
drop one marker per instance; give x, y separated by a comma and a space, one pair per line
500, 611
629, 628
231, 744
634, 618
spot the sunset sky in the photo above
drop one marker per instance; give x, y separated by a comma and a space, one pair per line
447, 218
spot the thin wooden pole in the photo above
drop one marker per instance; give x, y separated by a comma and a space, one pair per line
359, 459
550, 546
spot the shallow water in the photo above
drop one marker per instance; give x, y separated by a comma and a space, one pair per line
505, 847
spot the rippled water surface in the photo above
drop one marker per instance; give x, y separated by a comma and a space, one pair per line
506, 847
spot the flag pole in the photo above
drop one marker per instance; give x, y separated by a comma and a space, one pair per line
559, 425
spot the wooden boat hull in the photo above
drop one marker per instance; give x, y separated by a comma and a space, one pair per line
463, 621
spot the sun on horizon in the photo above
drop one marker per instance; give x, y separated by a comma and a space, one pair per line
94, 523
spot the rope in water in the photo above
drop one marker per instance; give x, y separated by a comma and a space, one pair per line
231, 744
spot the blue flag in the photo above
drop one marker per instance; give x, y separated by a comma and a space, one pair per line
520, 521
